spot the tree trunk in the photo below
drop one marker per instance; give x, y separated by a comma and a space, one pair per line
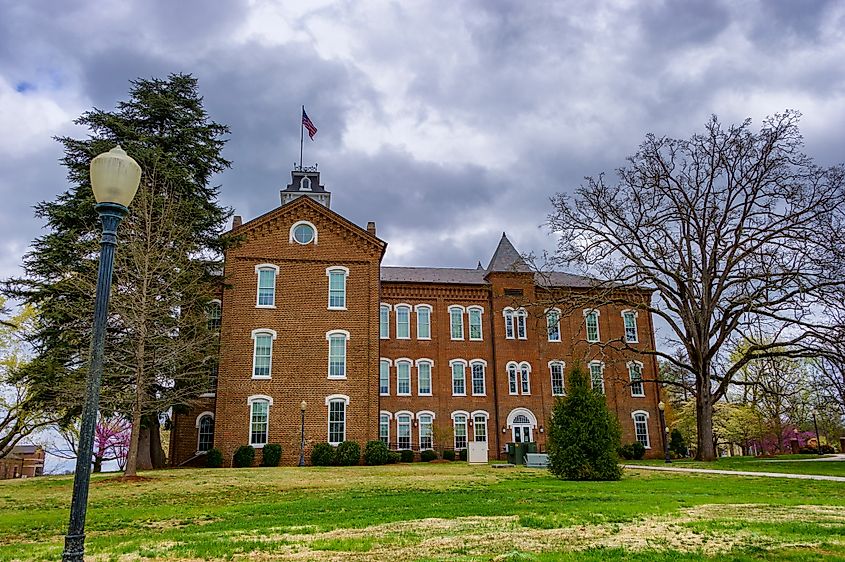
98, 464
706, 450
134, 441
157, 457
144, 461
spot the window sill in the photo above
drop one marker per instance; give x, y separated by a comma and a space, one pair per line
424, 339
558, 394
257, 446
476, 339
554, 341
384, 337
454, 394
425, 394
331, 378
482, 394
384, 394
336, 308
267, 378
403, 337
265, 306
403, 394
208, 395
632, 341
638, 396
457, 339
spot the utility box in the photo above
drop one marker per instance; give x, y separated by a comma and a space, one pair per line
516, 453
477, 452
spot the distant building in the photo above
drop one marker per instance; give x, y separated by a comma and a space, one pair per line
25, 461
418, 357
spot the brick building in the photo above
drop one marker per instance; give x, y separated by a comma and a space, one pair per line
409, 355
24, 461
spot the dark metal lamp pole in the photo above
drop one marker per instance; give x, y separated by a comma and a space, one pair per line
661, 406
114, 179
302, 406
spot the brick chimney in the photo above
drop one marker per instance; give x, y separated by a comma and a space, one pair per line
237, 220
371, 228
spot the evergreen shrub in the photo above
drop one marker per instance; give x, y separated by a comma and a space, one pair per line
462, 454
348, 453
632, 451
323, 454
393, 457
677, 444
583, 434
214, 458
271, 455
376, 453
428, 455
449, 454
407, 455
244, 456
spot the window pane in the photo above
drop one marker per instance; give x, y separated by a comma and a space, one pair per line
384, 377
630, 327
337, 421
266, 287
424, 378
520, 325
263, 346
592, 327
459, 378
426, 441
596, 377
423, 323
214, 312
509, 324
337, 356
557, 379
478, 378
206, 433
526, 382
635, 372
641, 429
553, 323
337, 289
403, 374
384, 429
384, 322
403, 431
258, 429
475, 324
460, 432
512, 384
480, 428
456, 316
403, 322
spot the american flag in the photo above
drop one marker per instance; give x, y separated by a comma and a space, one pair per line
306, 122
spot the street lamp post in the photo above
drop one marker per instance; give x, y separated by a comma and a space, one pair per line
302, 406
664, 429
114, 180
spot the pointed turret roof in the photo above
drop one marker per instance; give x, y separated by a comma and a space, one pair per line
506, 258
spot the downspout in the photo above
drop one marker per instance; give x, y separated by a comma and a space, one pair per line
495, 372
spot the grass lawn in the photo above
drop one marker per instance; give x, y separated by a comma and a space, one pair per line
428, 512
794, 464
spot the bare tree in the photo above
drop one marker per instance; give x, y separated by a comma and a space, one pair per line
733, 230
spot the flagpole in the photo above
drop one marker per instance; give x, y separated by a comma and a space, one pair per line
301, 136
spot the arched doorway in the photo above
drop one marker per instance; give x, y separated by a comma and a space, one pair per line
522, 424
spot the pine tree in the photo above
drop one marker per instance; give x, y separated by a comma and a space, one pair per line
165, 128
584, 435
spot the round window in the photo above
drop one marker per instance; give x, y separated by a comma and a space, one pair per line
303, 233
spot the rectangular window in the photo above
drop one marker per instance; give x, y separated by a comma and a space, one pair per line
478, 386
403, 322
557, 379
426, 441
384, 377
553, 324
337, 422
592, 320
456, 321
526, 379
520, 324
259, 422
262, 356
384, 429
475, 324
337, 288
403, 378
384, 321
630, 326
597, 377
424, 379
337, 356
460, 432
459, 379
509, 324
480, 428
512, 380
423, 323
641, 429
266, 287
403, 433
635, 371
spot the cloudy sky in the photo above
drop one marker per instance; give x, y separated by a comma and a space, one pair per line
445, 122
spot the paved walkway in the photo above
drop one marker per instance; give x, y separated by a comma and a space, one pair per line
737, 472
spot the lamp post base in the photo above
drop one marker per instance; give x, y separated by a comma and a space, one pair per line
74, 548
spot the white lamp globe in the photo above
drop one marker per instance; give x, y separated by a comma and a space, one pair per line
115, 177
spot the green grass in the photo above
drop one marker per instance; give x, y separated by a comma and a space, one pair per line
781, 464
428, 512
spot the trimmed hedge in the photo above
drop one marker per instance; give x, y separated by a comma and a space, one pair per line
393, 457
348, 453
214, 458
323, 454
462, 454
244, 456
449, 455
376, 453
272, 455
428, 455
406, 455
632, 451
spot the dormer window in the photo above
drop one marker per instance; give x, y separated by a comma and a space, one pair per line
305, 184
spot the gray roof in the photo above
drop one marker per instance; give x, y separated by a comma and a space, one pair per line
506, 258
561, 279
433, 275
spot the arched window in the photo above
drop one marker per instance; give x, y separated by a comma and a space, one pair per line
384, 377
266, 295
641, 427
553, 324
525, 378
479, 426
337, 287
403, 377
259, 415
459, 377
635, 373
521, 318
513, 379
337, 418
305, 184
425, 425
460, 423
591, 320
456, 322
478, 367
384, 428
403, 321
403, 430
262, 353
474, 313
597, 376
337, 353
215, 314
556, 370
629, 318
384, 321
205, 432
509, 321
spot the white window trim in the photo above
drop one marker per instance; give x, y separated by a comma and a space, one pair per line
532, 419
463, 328
202, 415
512, 322
508, 375
389, 308
430, 309
272, 334
291, 239
647, 432
396, 314
587, 312
419, 428
548, 336
530, 373
219, 303
472, 389
199, 417
520, 313
329, 335
480, 310
430, 363
636, 326
562, 374
302, 181
389, 366
258, 268
336, 398
629, 364
601, 365
250, 401
486, 416
467, 419
452, 376
329, 271
410, 363
410, 429
389, 420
